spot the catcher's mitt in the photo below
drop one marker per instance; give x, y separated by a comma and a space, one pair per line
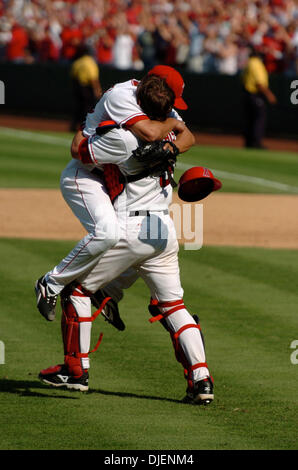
157, 157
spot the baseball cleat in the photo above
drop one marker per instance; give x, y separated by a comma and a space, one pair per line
201, 393
46, 299
110, 311
59, 376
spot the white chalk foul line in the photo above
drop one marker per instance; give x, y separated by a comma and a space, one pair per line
63, 141
245, 178
35, 136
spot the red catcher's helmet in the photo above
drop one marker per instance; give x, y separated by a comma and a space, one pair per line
197, 183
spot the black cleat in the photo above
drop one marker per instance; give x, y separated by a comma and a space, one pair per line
201, 393
59, 376
46, 299
110, 310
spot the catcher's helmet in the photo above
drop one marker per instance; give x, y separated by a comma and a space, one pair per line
197, 183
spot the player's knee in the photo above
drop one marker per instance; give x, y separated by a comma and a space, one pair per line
106, 238
111, 241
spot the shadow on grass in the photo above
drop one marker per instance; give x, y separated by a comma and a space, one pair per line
133, 395
30, 389
24, 389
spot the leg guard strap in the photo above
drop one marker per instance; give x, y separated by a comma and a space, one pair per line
71, 320
81, 355
154, 309
183, 328
95, 314
188, 368
176, 305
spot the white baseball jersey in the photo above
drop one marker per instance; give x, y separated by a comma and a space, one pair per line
147, 246
146, 194
118, 104
86, 195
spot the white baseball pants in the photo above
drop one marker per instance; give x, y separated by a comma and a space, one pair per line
87, 197
155, 259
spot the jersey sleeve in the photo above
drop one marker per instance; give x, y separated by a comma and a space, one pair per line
121, 106
113, 147
92, 121
174, 114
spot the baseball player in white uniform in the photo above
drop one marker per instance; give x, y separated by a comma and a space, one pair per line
90, 203
148, 246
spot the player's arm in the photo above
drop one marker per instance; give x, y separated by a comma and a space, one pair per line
74, 149
149, 131
184, 137
271, 98
97, 90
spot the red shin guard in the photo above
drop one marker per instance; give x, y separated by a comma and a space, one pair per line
70, 326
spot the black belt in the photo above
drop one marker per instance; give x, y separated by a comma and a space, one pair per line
146, 213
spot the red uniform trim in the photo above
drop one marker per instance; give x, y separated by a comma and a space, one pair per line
107, 123
135, 119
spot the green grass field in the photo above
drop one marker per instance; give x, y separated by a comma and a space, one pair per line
36, 159
246, 299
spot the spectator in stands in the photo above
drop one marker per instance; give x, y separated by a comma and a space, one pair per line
211, 48
181, 32
123, 49
71, 37
16, 50
5, 37
162, 38
256, 95
146, 43
228, 56
104, 48
85, 84
196, 46
48, 50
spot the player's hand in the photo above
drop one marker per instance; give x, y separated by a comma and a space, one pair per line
168, 146
74, 150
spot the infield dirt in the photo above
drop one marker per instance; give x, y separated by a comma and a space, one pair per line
228, 219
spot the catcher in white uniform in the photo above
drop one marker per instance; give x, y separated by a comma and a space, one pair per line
157, 93
147, 246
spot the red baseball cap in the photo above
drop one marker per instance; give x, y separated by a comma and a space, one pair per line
174, 81
196, 183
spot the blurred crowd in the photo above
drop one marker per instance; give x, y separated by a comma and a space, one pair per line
197, 35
